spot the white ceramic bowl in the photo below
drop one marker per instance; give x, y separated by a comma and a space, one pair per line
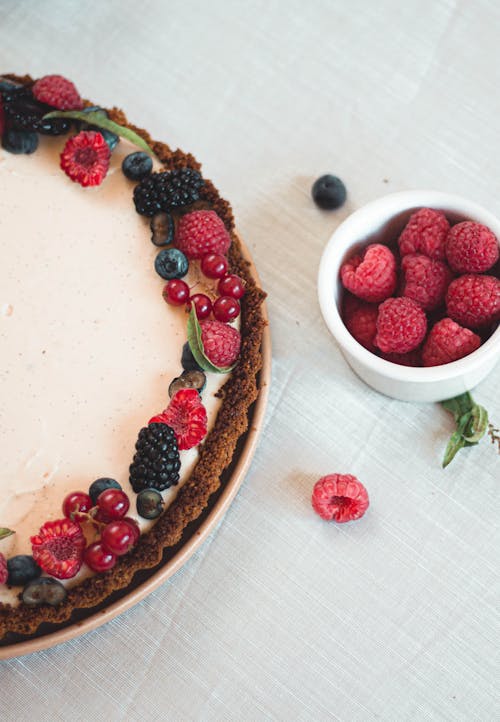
381, 221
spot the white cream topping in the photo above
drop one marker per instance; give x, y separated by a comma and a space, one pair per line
88, 347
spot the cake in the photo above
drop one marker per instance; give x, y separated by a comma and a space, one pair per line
90, 349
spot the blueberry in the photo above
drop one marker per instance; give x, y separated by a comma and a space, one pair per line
22, 569
171, 263
188, 361
99, 485
6, 85
188, 380
163, 229
137, 165
44, 591
20, 141
111, 138
149, 504
329, 192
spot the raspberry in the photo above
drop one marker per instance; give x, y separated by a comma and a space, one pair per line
371, 276
202, 232
448, 342
474, 301
340, 497
4, 572
471, 248
360, 319
187, 416
401, 325
413, 358
58, 548
85, 158
221, 343
58, 92
425, 280
425, 233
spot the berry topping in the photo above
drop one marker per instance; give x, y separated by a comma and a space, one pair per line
371, 276
58, 548
98, 557
134, 526
413, 358
4, 574
474, 301
200, 233
328, 192
58, 92
99, 485
24, 112
138, 165
156, 462
44, 591
202, 305
118, 537
77, 501
188, 380
360, 319
221, 343
401, 325
149, 504
187, 416
339, 497
448, 342
166, 190
226, 309
85, 158
22, 569
425, 280
471, 248
171, 263
231, 285
188, 361
20, 141
425, 233
162, 229
112, 504
213, 265
176, 292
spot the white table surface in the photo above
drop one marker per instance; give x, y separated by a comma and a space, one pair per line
281, 616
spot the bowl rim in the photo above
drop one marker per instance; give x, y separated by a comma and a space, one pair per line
384, 207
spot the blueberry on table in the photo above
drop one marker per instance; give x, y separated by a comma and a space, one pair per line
137, 165
20, 141
171, 263
329, 192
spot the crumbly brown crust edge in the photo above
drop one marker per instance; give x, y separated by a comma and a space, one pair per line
216, 453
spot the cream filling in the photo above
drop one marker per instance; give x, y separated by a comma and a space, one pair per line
88, 347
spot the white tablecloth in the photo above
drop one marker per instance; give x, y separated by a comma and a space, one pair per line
281, 616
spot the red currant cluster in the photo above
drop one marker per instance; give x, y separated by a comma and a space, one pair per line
225, 307
118, 532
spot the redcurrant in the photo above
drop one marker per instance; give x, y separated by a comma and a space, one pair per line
113, 504
176, 292
231, 285
213, 265
118, 537
202, 305
226, 309
76, 502
98, 558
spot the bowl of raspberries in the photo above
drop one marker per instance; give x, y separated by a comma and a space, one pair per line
409, 287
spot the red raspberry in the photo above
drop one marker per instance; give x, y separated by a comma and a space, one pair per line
474, 301
371, 276
448, 342
187, 416
425, 280
471, 248
85, 158
340, 497
425, 233
221, 343
58, 92
4, 572
58, 548
413, 358
401, 325
202, 232
360, 319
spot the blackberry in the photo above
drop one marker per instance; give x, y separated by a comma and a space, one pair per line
24, 112
166, 190
156, 462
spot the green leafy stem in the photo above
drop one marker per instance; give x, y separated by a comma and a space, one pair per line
472, 423
196, 346
4, 533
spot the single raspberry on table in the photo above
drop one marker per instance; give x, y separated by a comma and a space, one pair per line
401, 325
412, 358
425, 280
360, 319
425, 233
85, 158
471, 248
474, 301
4, 572
221, 343
200, 233
447, 342
187, 416
58, 548
57, 91
371, 276
340, 497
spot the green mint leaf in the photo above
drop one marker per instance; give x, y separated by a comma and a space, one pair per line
100, 120
196, 346
4, 533
477, 425
455, 443
459, 405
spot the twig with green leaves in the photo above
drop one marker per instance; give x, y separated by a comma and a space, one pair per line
472, 424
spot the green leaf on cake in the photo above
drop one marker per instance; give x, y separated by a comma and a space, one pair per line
4, 533
99, 119
196, 346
